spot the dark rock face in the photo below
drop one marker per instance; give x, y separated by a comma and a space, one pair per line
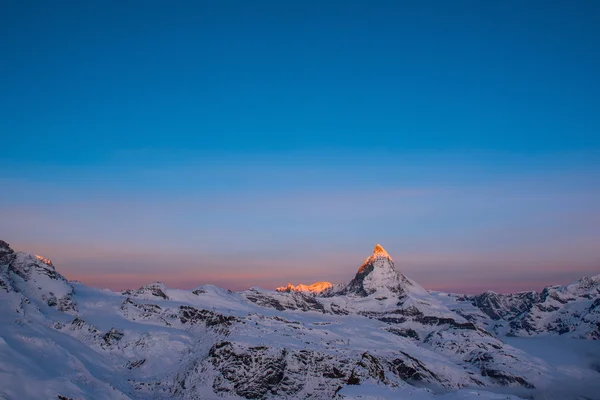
411, 369
239, 372
393, 320
260, 372
191, 315
336, 309
6, 253
113, 336
404, 332
500, 306
368, 367
505, 379
135, 364
6, 257
430, 320
356, 286
77, 323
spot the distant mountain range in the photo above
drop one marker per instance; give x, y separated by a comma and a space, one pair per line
381, 335
572, 310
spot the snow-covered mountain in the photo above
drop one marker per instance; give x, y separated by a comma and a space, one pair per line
317, 287
572, 310
379, 336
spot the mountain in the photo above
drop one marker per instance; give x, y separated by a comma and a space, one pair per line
317, 287
572, 310
379, 336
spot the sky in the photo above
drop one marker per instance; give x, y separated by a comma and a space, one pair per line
258, 143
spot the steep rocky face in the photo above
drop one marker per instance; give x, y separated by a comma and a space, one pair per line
6, 257
505, 306
256, 372
233, 367
570, 310
564, 310
34, 277
6, 253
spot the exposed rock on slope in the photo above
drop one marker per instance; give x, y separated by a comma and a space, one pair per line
570, 310
35, 278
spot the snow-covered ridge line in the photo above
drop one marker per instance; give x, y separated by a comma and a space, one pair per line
381, 334
316, 287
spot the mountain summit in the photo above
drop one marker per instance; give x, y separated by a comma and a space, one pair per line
377, 274
379, 251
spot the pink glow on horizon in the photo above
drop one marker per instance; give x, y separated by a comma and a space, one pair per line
122, 281
119, 269
119, 282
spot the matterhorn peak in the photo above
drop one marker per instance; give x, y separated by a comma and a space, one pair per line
379, 251
377, 273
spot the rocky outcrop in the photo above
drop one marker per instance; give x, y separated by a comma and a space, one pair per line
192, 316
155, 290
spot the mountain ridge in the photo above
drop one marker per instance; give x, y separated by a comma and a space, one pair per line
158, 342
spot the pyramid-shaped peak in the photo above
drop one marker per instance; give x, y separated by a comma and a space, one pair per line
379, 251
379, 255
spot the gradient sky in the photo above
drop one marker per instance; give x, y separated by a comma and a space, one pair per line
258, 143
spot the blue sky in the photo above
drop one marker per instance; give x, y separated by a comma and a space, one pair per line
259, 142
